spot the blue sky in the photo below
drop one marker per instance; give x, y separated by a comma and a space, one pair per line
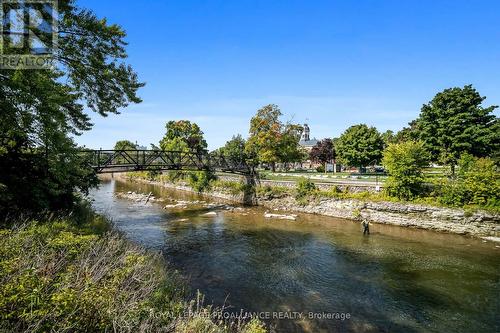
335, 63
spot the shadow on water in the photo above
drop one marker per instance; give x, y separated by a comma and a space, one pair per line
395, 280
271, 270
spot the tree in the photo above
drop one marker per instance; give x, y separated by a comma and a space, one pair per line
265, 128
270, 140
323, 152
125, 145
360, 145
40, 167
408, 133
404, 163
183, 135
455, 122
388, 137
234, 150
289, 150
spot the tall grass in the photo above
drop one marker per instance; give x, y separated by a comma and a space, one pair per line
67, 276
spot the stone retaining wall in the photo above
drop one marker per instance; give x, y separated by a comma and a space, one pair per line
457, 221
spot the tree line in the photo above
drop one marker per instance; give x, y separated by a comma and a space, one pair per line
43, 109
453, 129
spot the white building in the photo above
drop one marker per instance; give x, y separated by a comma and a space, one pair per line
305, 141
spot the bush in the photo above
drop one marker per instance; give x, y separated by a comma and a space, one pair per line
59, 276
200, 181
55, 279
320, 169
404, 163
477, 182
304, 189
233, 187
272, 192
174, 176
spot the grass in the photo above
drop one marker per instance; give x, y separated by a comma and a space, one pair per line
74, 273
318, 177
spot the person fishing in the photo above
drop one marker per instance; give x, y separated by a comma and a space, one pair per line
366, 227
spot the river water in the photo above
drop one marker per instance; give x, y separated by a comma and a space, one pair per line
395, 280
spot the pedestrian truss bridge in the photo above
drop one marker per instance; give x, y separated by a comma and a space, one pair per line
125, 160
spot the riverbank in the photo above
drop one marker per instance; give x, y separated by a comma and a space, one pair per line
75, 273
452, 220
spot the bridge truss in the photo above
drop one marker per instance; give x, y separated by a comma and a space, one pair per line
108, 161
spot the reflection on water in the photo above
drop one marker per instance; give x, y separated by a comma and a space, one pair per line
395, 280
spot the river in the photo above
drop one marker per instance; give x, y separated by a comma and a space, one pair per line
395, 280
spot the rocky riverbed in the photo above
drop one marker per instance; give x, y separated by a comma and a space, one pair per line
478, 223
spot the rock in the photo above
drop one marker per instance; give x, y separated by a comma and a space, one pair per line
209, 214
280, 216
491, 238
179, 205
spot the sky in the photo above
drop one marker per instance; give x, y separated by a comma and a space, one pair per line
332, 64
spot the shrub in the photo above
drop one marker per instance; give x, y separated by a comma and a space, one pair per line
305, 188
404, 163
174, 176
153, 174
200, 181
477, 182
60, 277
320, 169
233, 187
56, 279
272, 192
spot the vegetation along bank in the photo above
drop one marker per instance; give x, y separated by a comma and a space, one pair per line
73, 273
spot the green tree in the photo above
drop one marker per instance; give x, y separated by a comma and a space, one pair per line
408, 133
388, 137
359, 146
125, 145
289, 150
183, 135
234, 150
455, 122
40, 167
404, 163
270, 140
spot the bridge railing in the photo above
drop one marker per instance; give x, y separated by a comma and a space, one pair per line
135, 160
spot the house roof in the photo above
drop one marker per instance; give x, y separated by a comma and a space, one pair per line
308, 143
